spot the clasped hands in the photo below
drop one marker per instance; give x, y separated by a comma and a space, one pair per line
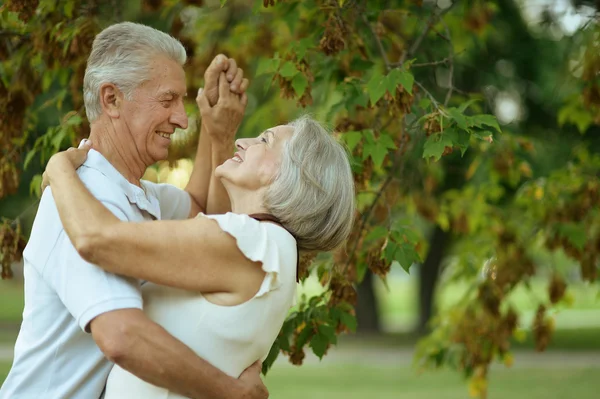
222, 102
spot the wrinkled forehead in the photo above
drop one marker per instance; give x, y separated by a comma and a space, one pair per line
166, 77
281, 132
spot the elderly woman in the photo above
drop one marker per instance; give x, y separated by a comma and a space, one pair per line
222, 284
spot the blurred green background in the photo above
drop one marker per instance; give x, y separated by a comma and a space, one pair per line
517, 59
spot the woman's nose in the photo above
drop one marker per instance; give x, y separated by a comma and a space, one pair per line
239, 144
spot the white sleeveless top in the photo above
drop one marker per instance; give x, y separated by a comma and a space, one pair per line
229, 337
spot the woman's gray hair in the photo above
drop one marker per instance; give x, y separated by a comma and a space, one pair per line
313, 193
121, 55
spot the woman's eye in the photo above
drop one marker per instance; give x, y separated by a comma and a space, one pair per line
263, 139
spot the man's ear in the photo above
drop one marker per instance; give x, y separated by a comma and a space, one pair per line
111, 99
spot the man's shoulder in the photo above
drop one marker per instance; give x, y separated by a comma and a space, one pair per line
47, 226
101, 186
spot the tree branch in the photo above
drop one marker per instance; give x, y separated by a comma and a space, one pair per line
367, 215
451, 57
425, 64
417, 43
378, 41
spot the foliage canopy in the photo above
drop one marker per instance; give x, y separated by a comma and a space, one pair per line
412, 89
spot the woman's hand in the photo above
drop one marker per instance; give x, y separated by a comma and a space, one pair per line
222, 120
70, 159
235, 75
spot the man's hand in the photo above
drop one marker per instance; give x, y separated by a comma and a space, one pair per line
222, 120
256, 389
235, 77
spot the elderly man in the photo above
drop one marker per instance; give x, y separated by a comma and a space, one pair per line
78, 318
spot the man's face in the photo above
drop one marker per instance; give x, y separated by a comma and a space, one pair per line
156, 110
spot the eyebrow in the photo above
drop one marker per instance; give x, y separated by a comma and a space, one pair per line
172, 93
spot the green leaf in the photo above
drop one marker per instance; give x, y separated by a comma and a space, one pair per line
407, 80
405, 231
458, 117
267, 65
223, 3
399, 77
304, 335
387, 141
329, 332
424, 103
35, 187
349, 321
69, 5
74, 120
28, 158
376, 233
376, 87
377, 152
484, 120
299, 83
435, 145
575, 233
463, 107
459, 138
319, 344
406, 255
302, 45
271, 357
352, 138
288, 70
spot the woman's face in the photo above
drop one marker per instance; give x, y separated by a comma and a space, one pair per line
257, 160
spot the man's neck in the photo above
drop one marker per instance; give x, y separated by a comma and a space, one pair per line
121, 155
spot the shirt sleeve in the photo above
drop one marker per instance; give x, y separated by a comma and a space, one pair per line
255, 241
175, 203
85, 289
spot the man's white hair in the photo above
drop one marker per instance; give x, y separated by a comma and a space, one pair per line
313, 193
121, 55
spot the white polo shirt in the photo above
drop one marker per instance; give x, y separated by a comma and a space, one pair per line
54, 357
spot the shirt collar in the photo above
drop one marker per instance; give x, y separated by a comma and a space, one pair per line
136, 195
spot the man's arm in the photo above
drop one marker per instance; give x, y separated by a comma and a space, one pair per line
128, 338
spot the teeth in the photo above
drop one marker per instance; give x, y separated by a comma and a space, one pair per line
165, 135
237, 159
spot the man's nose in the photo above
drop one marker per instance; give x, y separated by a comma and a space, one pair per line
179, 117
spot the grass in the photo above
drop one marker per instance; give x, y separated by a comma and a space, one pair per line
396, 382
360, 381
4, 367
11, 300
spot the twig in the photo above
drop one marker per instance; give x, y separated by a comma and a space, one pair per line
378, 41
417, 43
451, 57
433, 63
435, 103
16, 220
367, 215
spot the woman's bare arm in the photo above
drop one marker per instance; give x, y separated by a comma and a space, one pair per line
194, 254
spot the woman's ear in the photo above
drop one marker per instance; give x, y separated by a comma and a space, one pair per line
110, 100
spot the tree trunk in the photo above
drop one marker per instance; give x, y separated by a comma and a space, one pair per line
367, 310
429, 273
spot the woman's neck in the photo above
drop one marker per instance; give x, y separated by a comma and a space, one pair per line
246, 202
